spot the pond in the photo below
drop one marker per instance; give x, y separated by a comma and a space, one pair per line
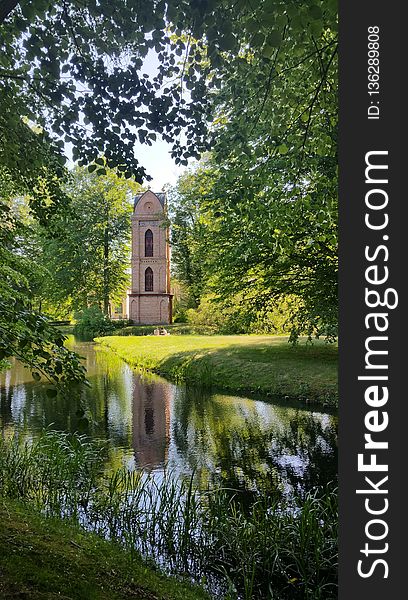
150, 423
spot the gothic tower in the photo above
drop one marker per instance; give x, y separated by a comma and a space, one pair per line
150, 300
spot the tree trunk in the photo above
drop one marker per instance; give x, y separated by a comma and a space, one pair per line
106, 273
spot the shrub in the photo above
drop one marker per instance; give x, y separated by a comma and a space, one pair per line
236, 318
91, 322
275, 549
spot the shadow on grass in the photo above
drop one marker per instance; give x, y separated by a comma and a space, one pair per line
303, 373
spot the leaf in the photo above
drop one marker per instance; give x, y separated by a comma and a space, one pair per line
315, 12
36, 376
267, 51
274, 39
283, 149
257, 40
252, 25
227, 42
51, 392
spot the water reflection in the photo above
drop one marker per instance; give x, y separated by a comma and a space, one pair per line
151, 423
250, 444
151, 403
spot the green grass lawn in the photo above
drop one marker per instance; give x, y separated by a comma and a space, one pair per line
237, 363
47, 559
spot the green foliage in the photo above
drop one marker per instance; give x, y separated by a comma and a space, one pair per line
259, 217
88, 263
255, 83
92, 322
76, 70
26, 333
4, 365
244, 364
188, 239
42, 556
259, 246
57, 259
173, 329
233, 316
285, 549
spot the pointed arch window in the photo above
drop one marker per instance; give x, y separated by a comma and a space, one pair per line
149, 243
148, 280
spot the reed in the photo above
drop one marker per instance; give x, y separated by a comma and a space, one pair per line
271, 550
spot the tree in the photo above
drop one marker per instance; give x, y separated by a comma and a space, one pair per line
188, 226
89, 263
25, 333
257, 84
271, 207
262, 243
76, 69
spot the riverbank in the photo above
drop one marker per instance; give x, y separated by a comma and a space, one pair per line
48, 558
244, 550
241, 364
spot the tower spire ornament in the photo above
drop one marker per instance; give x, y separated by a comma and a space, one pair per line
150, 300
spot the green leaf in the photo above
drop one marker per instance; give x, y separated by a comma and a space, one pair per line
51, 392
227, 42
268, 51
274, 39
252, 25
315, 12
257, 40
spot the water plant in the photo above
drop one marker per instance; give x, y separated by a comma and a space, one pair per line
273, 549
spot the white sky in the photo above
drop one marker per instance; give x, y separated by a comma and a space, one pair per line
156, 158
158, 163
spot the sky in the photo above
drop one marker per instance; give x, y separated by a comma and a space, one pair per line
156, 159
158, 163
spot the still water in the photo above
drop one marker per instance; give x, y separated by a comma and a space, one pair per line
152, 424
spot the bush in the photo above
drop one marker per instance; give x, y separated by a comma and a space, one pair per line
4, 364
235, 318
173, 329
91, 322
180, 317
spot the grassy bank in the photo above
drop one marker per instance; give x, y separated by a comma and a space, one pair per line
242, 363
271, 549
48, 558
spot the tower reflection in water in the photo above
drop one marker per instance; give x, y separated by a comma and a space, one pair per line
151, 422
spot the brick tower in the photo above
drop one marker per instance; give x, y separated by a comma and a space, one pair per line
150, 300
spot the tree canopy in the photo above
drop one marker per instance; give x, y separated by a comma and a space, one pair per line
89, 263
255, 83
77, 71
267, 198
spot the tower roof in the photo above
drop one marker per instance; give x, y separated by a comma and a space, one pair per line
161, 196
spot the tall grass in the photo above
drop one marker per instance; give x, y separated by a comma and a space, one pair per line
271, 550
